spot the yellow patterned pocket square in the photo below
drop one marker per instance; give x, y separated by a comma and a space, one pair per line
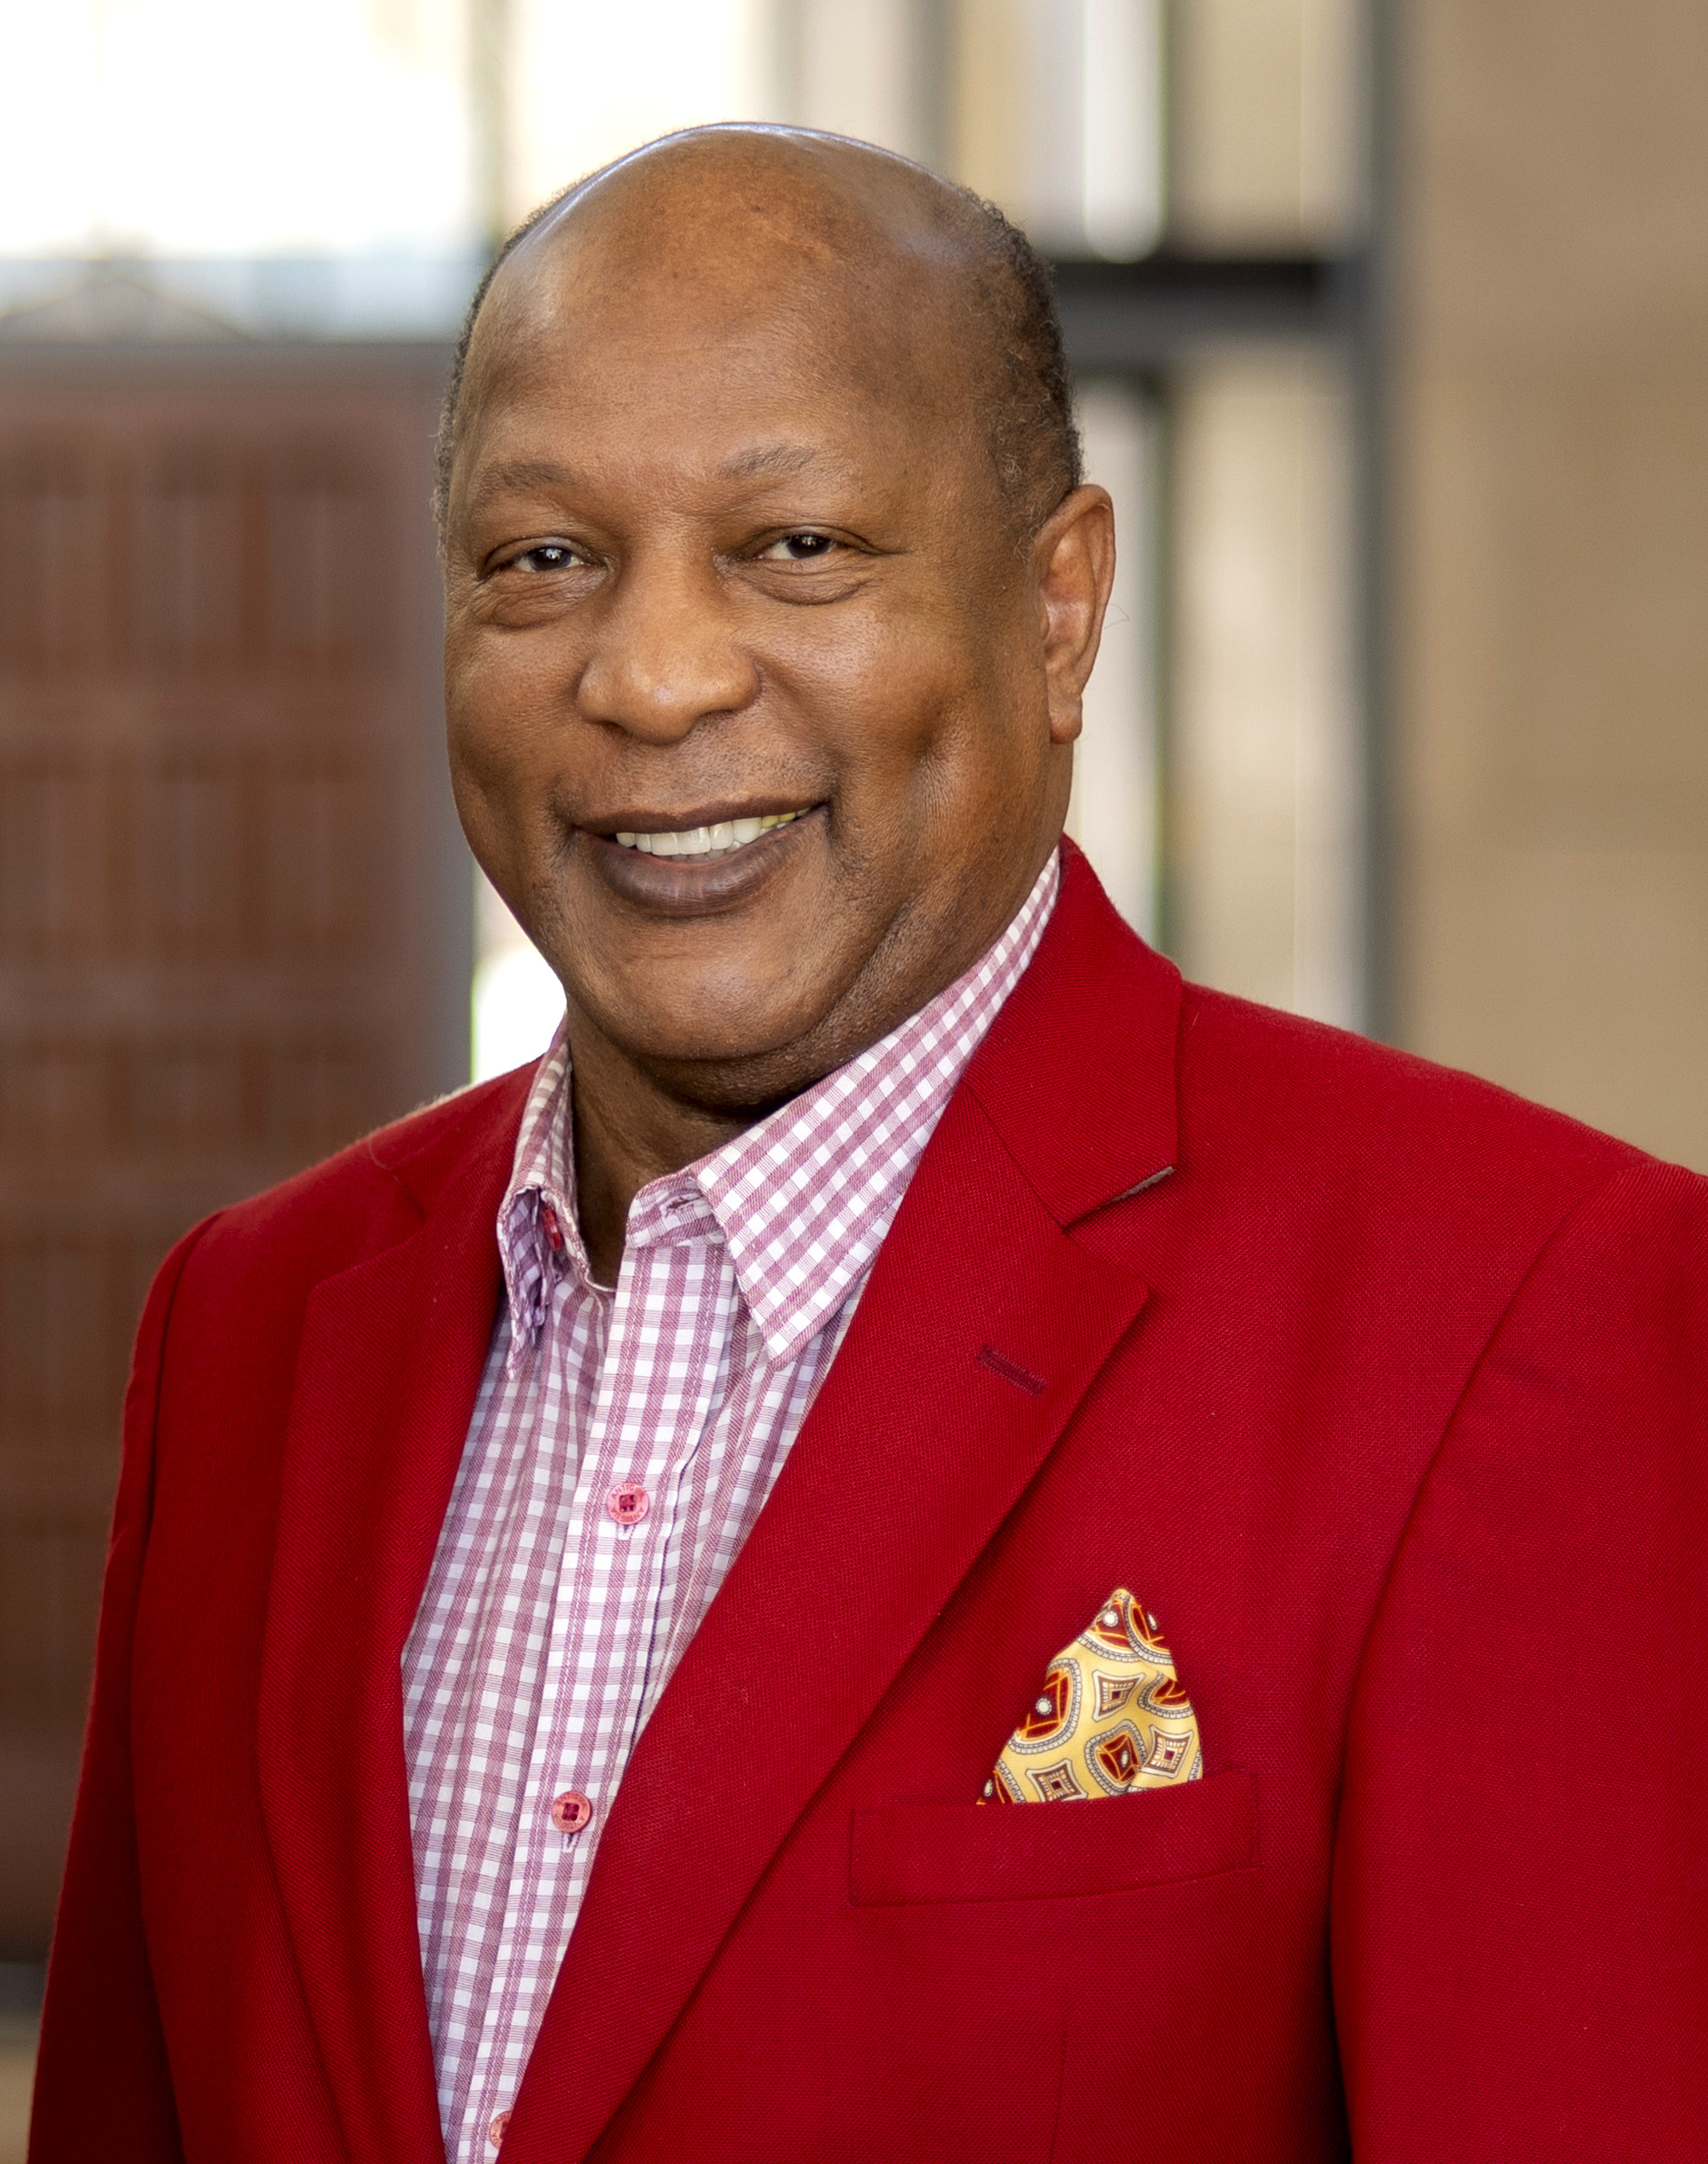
1111, 1716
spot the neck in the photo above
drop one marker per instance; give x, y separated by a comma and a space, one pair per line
637, 1121
629, 1131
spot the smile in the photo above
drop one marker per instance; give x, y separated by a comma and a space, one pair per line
707, 840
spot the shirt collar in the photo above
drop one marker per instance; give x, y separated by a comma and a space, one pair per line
802, 1199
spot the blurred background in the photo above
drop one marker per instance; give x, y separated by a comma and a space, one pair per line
1390, 322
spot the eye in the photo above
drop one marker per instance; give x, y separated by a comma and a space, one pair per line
548, 556
799, 548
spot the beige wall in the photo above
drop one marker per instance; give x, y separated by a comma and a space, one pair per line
1551, 482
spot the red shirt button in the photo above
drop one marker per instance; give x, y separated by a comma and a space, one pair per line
553, 1232
495, 2132
628, 1502
571, 1811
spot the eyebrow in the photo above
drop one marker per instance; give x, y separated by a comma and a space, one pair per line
524, 473
769, 461
762, 461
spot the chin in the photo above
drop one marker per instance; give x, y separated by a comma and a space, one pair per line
731, 1035
747, 1070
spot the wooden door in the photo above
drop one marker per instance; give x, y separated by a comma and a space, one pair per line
234, 908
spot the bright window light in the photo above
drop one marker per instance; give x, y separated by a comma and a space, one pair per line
517, 1004
592, 83
1122, 149
194, 128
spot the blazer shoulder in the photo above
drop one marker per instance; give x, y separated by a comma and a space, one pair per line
1256, 1083
370, 1194
1397, 1209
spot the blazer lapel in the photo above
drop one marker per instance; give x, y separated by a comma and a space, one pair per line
980, 1328
386, 1376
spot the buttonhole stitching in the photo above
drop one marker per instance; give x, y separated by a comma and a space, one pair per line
1011, 1371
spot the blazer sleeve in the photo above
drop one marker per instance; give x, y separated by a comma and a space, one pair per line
103, 2084
1520, 1921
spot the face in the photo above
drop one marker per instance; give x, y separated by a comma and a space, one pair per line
760, 719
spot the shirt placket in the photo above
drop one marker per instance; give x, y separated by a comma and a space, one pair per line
570, 1335
699, 1383
658, 1386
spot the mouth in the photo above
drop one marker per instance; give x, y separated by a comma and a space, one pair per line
706, 870
721, 839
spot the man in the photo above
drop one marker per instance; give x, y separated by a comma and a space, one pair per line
585, 1555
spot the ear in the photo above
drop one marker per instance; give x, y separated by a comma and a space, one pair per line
1073, 570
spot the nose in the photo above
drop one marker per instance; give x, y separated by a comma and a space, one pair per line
665, 654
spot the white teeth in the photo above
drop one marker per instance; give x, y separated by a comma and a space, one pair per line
707, 840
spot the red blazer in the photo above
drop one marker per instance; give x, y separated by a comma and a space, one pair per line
1385, 1391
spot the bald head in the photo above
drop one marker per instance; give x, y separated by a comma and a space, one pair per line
942, 299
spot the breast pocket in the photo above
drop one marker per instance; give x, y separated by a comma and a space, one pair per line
908, 1854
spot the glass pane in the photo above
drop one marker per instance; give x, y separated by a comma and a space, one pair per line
588, 84
1264, 752
1055, 112
1266, 123
871, 70
335, 124
1113, 811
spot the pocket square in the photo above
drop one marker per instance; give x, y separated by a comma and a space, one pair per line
1113, 1716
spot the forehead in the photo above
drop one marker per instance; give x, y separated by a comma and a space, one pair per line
718, 328
645, 373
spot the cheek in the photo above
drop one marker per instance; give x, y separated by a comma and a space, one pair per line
895, 704
496, 739
497, 707
947, 758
